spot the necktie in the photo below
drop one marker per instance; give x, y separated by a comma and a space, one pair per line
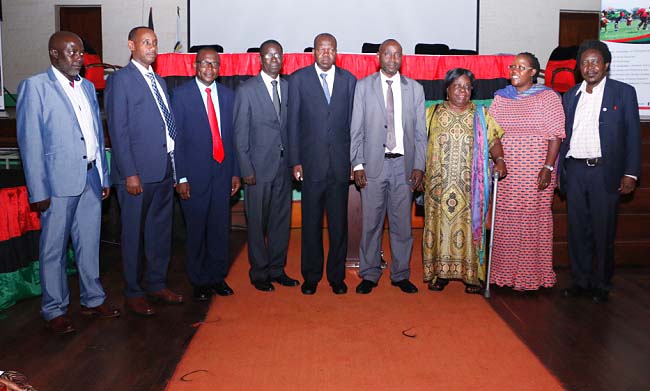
217, 144
326, 88
391, 143
167, 116
276, 97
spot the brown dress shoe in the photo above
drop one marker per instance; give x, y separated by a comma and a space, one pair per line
61, 325
167, 296
102, 311
139, 305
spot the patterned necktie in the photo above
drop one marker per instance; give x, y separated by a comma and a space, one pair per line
326, 88
217, 144
391, 143
169, 120
276, 97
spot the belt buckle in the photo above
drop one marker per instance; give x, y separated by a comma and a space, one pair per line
591, 162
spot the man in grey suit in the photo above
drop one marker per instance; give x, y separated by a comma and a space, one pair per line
261, 140
387, 151
62, 149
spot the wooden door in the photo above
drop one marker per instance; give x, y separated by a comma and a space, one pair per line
576, 27
85, 22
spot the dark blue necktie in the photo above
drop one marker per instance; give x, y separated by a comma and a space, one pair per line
169, 120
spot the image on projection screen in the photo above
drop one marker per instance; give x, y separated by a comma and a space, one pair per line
239, 25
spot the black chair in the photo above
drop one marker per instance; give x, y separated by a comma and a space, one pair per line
462, 52
439, 49
196, 48
370, 47
308, 49
253, 50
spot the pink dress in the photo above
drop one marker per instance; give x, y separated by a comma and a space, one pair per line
522, 255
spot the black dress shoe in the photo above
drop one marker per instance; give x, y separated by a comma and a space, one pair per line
222, 289
264, 286
405, 285
202, 293
285, 280
340, 288
575, 291
308, 288
600, 296
365, 287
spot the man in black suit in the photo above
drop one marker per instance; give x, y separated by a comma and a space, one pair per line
142, 131
261, 142
208, 173
320, 109
599, 161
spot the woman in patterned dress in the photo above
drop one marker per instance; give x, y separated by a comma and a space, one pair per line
532, 117
462, 136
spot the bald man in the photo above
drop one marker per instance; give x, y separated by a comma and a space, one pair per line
62, 149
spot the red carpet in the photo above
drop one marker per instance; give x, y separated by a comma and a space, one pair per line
386, 340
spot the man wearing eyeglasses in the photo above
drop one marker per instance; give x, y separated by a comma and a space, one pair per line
62, 149
208, 173
261, 143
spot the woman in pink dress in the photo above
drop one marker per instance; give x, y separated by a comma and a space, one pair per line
533, 120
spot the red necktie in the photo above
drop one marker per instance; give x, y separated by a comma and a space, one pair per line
217, 144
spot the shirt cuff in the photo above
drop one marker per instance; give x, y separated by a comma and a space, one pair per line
182, 180
632, 176
358, 167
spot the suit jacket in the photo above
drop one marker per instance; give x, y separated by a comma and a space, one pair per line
51, 143
260, 137
619, 130
319, 133
136, 127
193, 146
369, 125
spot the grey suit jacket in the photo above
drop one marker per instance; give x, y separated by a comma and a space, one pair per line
369, 125
51, 143
260, 137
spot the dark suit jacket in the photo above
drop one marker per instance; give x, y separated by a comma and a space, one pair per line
136, 128
260, 137
620, 134
319, 134
193, 147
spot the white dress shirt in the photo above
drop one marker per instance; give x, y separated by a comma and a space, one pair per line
329, 78
269, 87
397, 104
585, 138
144, 71
83, 112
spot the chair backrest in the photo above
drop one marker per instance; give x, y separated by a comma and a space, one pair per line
560, 69
308, 49
196, 48
368, 47
95, 74
253, 50
462, 52
432, 48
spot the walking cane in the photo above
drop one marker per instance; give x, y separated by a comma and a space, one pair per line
486, 294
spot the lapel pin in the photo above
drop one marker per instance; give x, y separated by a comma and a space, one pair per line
604, 108
615, 107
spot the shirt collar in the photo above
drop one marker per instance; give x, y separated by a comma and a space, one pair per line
141, 68
328, 73
268, 79
396, 78
62, 79
202, 87
597, 89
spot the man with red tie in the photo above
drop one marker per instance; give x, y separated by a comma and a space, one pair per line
208, 173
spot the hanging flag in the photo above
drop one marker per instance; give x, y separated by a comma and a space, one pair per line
178, 46
150, 25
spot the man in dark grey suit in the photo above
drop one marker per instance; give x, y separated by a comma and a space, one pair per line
387, 151
320, 109
261, 140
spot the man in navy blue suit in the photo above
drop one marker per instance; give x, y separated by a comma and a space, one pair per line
142, 131
208, 173
62, 149
320, 110
599, 161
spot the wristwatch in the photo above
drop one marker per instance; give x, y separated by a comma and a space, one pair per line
549, 167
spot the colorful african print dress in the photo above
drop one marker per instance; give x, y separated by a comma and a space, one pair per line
448, 249
522, 255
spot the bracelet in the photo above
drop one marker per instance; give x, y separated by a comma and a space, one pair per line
548, 167
500, 158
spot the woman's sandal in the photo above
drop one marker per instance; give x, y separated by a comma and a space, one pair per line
439, 284
473, 289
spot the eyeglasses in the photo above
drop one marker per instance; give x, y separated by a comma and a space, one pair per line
520, 68
277, 56
205, 64
464, 87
